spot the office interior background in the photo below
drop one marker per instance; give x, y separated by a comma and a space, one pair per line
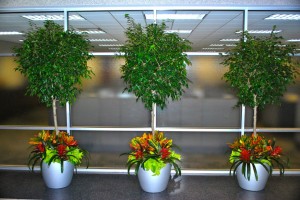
104, 118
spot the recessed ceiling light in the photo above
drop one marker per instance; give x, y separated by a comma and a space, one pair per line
178, 31
293, 40
52, 17
284, 17
10, 33
230, 40
261, 31
110, 45
102, 40
175, 16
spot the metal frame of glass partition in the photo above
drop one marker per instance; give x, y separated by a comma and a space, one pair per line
69, 128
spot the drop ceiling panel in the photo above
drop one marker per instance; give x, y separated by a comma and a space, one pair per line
216, 25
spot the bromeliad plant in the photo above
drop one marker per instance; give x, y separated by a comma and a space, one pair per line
152, 152
248, 150
49, 147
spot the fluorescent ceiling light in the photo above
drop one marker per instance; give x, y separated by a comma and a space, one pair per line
102, 40
284, 17
10, 33
178, 31
230, 45
212, 48
176, 16
293, 40
52, 17
114, 48
91, 32
110, 45
230, 40
216, 45
261, 31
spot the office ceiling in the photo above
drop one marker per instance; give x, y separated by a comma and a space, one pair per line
205, 35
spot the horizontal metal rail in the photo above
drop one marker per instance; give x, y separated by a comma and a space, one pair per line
169, 129
184, 172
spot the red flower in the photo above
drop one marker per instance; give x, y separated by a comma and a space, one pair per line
164, 153
277, 151
61, 149
40, 148
138, 154
245, 155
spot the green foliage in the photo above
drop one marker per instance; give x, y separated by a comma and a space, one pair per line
152, 153
48, 147
155, 65
54, 61
260, 69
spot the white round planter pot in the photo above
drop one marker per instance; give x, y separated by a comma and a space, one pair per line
252, 184
154, 184
53, 177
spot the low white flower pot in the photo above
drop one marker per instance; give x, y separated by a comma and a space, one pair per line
53, 177
252, 184
154, 184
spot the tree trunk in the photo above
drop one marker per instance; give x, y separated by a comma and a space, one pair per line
254, 116
153, 121
55, 115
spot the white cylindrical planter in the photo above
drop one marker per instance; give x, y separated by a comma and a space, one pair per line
53, 177
252, 184
154, 184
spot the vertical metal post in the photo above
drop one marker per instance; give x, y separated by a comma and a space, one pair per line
243, 113
154, 104
68, 120
154, 16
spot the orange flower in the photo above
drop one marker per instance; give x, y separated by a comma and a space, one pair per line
269, 148
69, 140
45, 136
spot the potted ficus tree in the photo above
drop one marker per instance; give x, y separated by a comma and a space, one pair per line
54, 61
155, 71
259, 69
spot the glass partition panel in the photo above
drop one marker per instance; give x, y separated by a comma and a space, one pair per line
198, 150
13, 26
103, 103
16, 107
105, 29
208, 102
261, 24
14, 146
208, 31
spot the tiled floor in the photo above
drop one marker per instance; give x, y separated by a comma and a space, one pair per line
26, 185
